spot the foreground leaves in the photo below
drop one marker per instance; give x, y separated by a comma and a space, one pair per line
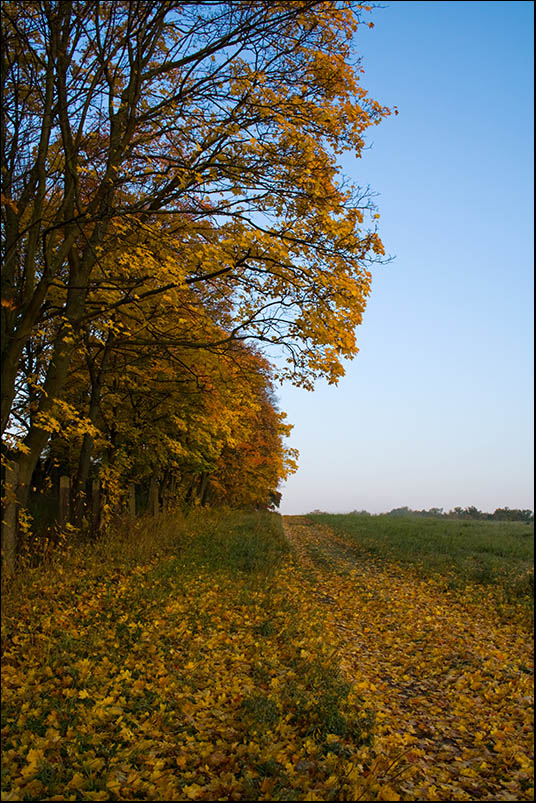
193, 677
222, 667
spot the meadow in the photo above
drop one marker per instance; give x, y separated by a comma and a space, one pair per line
499, 553
229, 655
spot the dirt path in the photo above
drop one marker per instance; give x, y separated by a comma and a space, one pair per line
450, 683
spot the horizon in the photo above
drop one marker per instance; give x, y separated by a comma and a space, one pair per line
441, 511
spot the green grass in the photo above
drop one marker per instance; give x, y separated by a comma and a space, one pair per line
488, 552
237, 541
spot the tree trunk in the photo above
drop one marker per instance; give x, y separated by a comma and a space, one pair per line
95, 508
132, 501
153, 497
79, 486
9, 520
37, 437
64, 512
203, 488
86, 450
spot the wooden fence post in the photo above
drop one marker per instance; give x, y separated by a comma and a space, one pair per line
95, 505
9, 521
132, 500
153, 497
65, 493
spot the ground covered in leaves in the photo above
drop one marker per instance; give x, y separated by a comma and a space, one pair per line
219, 659
447, 670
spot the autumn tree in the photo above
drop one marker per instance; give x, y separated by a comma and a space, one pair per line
250, 468
204, 425
153, 146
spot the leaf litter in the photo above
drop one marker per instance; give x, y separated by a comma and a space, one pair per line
322, 678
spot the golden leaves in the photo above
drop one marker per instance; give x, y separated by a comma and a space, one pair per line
199, 674
438, 668
193, 693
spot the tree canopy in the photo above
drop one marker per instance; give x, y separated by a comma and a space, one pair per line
171, 190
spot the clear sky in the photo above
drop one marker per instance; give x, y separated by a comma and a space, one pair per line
437, 408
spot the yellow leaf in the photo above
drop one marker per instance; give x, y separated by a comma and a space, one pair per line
33, 758
193, 792
77, 781
95, 764
113, 785
387, 793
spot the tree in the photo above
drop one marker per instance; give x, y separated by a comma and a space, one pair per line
204, 425
153, 146
505, 514
254, 459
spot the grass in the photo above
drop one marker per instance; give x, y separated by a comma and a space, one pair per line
499, 553
245, 543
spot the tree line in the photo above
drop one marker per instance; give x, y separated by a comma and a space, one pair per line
471, 512
174, 219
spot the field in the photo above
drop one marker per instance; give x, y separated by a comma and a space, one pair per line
239, 656
499, 553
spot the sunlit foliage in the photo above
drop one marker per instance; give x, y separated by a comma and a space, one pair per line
171, 182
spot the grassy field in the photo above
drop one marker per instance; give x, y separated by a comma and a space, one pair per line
488, 552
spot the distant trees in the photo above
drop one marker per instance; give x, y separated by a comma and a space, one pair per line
505, 514
471, 512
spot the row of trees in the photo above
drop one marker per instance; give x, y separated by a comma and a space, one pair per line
471, 512
207, 429
172, 203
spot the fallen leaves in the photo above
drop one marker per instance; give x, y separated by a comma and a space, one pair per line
321, 679
175, 682
448, 679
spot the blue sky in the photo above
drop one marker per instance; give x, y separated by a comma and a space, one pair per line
437, 408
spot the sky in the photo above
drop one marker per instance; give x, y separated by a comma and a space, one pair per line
436, 410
